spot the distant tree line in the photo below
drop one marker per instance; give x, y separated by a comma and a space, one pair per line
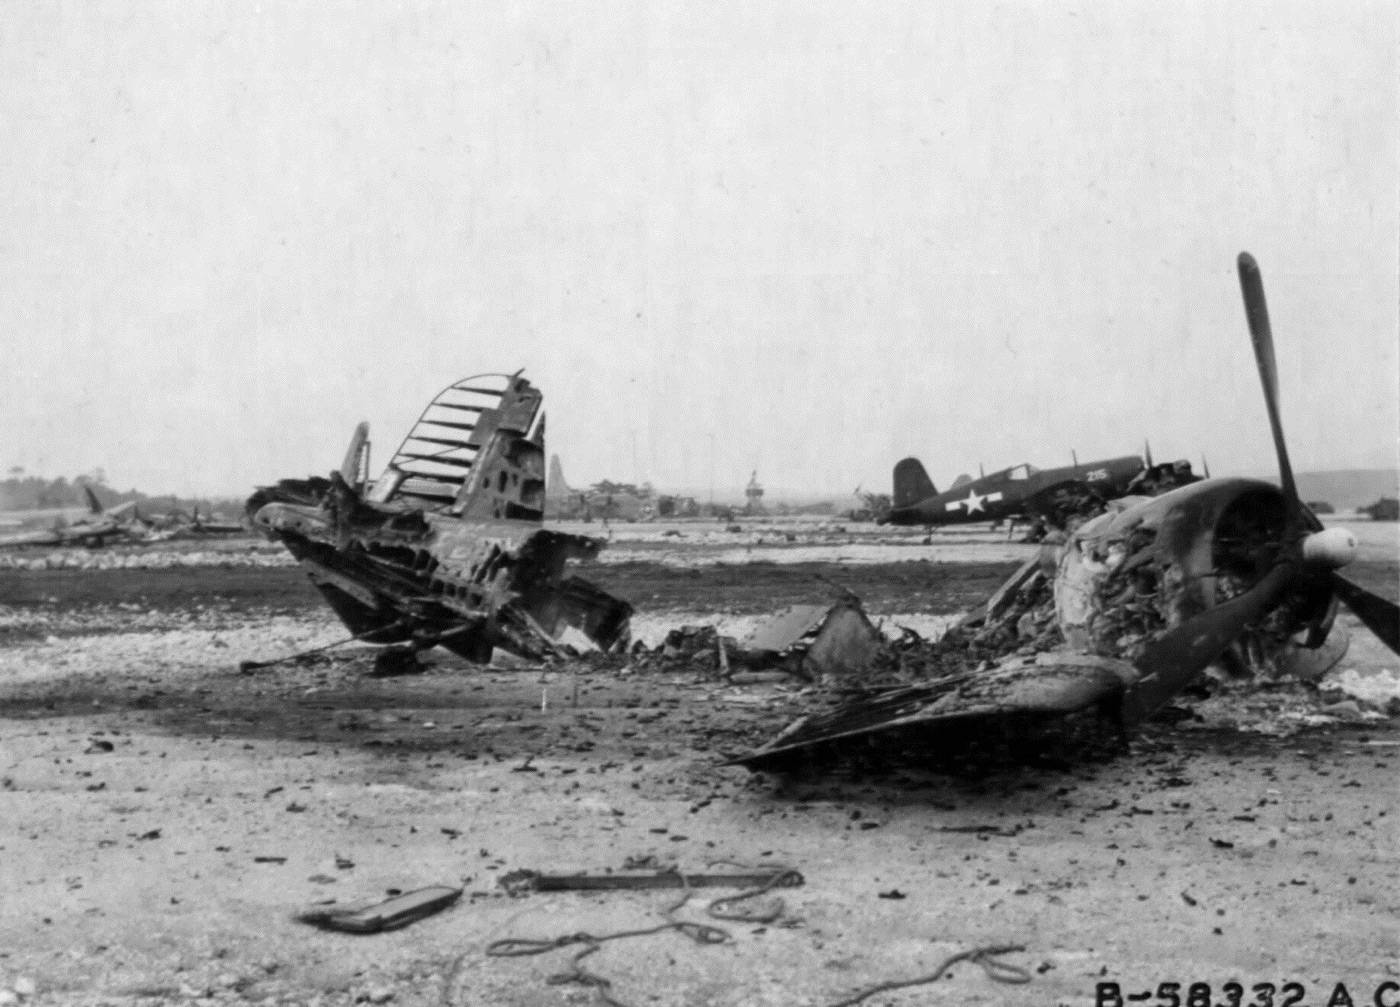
22, 492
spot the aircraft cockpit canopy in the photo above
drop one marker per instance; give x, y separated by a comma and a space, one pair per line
1022, 472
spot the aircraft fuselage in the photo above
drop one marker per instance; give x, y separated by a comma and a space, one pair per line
1014, 492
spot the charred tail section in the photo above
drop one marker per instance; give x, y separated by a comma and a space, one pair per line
446, 547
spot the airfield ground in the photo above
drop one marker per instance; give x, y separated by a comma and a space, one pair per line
164, 817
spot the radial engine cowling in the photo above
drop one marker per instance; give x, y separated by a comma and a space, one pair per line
1147, 565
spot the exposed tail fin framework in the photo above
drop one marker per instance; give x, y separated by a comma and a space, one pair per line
911, 483
478, 450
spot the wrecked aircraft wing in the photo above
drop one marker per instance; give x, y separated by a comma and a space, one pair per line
823, 642
1044, 685
1141, 599
446, 547
785, 628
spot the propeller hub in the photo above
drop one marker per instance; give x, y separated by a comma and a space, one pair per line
1331, 548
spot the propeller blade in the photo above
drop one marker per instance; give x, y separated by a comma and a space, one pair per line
1257, 312
1380, 615
1205, 466
1147, 451
1178, 655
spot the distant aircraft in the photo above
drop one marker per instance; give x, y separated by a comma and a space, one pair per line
199, 527
1024, 492
99, 527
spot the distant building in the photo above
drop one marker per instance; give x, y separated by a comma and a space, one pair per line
754, 493
677, 506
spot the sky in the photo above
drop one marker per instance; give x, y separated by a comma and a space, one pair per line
804, 238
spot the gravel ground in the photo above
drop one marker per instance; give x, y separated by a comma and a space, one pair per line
165, 817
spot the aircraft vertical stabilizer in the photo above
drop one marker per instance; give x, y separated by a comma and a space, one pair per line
556, 486
355, 468
911, 483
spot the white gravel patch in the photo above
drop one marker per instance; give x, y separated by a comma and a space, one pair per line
170, 651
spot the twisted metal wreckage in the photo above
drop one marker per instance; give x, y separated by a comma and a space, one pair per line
1128, 610
447, 547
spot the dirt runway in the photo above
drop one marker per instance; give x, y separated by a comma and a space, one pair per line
165, 817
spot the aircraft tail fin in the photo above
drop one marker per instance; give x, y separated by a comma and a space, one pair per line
911, 483
556, 485
355, 468
93, 504
477, 450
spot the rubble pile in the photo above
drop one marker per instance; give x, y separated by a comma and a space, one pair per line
1018, 621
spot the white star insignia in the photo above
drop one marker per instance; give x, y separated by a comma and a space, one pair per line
972, 502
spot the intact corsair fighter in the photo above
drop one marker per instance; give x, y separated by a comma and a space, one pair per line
447, 547
1127, 611
1024, 492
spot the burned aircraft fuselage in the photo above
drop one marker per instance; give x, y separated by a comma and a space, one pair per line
1091, 621
447, 548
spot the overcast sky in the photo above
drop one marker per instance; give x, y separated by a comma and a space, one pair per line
826, 235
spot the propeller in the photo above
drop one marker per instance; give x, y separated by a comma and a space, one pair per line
1260, 333
1147, 451
1308, 551
1380, 615
1205, 465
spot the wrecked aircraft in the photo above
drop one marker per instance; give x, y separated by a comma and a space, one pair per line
447, 547
1132, 606
99, 527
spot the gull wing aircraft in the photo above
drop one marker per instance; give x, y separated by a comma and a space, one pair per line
447, 547
1129, 609
1024, 491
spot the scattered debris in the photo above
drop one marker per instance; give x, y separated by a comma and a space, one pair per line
1380, 691
397, 912
1104, 628
985, 956
701, 933
829, 643
97, 746
524, 881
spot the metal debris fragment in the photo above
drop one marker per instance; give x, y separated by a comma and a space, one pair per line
392, 914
